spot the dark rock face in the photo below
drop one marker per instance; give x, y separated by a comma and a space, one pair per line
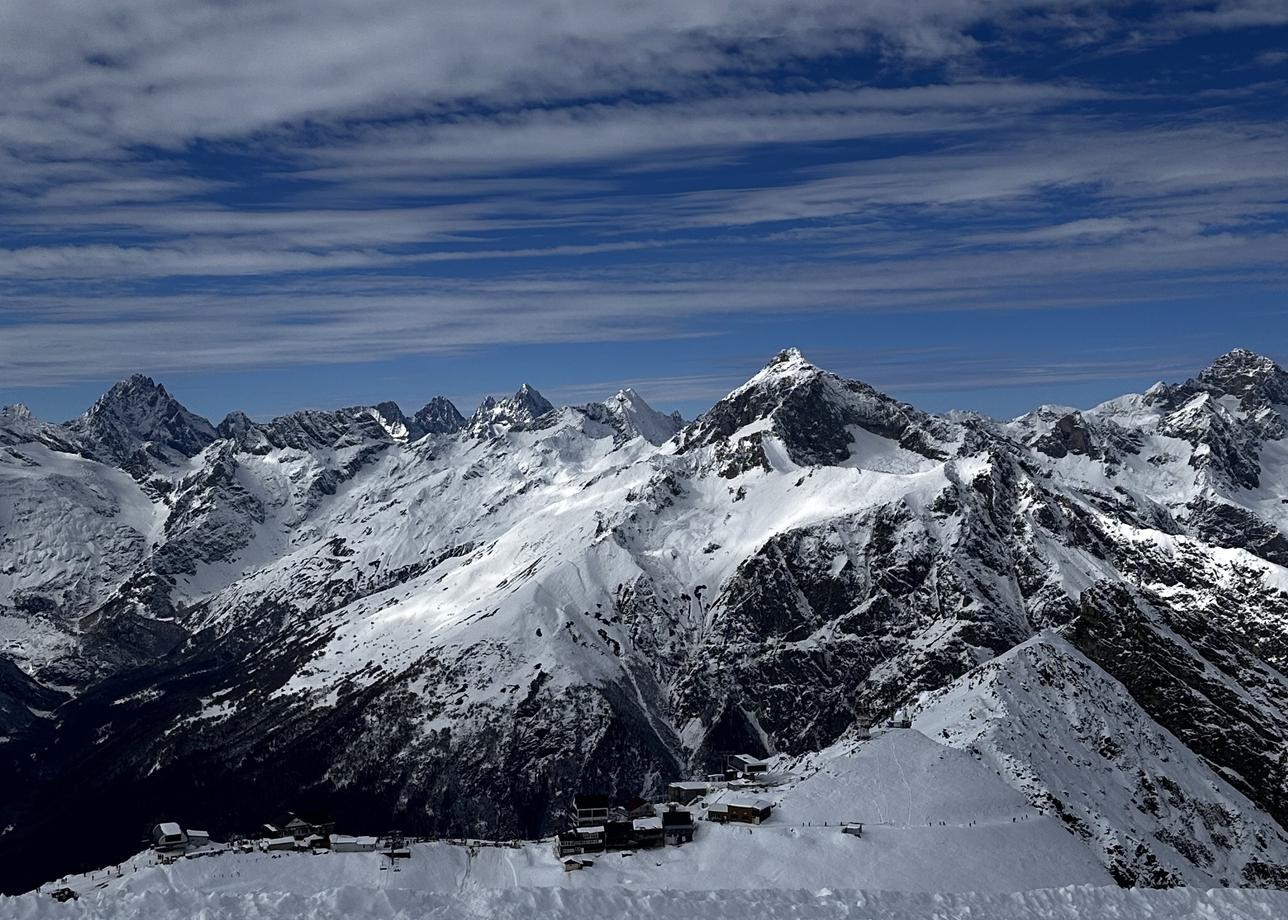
19, 426
1199, 412
857, 595
1070, 435
313, 429
1199, 681
509, 771
212, 516
137, 423
23, 700
438, 416
1255, 379
1228, 525
520, 411
811, 410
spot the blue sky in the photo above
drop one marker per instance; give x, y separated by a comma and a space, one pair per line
982, 204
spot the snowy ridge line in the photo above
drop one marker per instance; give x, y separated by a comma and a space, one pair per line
460, 623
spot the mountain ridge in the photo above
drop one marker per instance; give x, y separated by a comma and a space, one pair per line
462, 628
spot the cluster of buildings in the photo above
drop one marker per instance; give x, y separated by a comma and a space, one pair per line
598, 826
170, 842
298, 833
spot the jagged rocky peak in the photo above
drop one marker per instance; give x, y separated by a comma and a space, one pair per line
813, 412
1058, 431
243, 431
19, 426
390, 415
137, 419
789, 362
1255, 379
635, 417
496, 416
438, 416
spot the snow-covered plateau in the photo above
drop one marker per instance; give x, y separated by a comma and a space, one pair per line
452, 624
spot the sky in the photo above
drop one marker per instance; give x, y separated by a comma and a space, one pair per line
980, 204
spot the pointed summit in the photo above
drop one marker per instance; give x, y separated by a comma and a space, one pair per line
136, 420
520, 411
438, 416
530, 401
1253, 378
812, 412
635, 417
19, 426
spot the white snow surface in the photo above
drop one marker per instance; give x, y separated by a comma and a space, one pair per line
1070, 737
943, 836
381, 899
495, 549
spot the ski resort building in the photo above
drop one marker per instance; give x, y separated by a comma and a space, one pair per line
678, 826
742, 811
304, 826
683, 793
647, 833
748, 765
590, 809
169, 837
581, 840
343, 843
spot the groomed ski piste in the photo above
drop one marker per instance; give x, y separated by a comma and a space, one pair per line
943, 837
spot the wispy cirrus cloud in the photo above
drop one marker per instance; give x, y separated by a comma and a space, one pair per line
240, 185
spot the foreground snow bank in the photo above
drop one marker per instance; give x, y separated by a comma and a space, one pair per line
1073, 903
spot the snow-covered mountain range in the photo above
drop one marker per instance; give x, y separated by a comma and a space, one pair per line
450, 624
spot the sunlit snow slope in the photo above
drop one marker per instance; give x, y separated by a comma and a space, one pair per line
450, 624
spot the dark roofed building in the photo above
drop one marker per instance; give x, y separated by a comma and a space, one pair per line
677, 826
683, 793
590, 808
303, 825
647, 832
168, 837
617, 835
749, 811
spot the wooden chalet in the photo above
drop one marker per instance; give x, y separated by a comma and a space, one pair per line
298, 828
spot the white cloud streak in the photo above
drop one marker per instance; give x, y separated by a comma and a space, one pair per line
245, 183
